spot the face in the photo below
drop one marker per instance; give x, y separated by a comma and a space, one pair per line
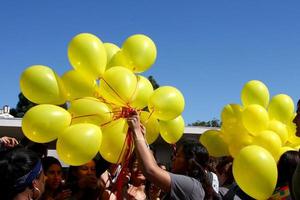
297, 121
87, 169
136, 173
179, 163
54, 176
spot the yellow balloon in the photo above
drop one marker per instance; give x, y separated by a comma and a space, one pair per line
79, 144
114, 137
41, 85
231, 113
172, 130
214, 143
280, 129
255, 118
166, 103
255, 171
78, 85
118, 86
143, 92
237, 139
291, 127
111, 49
269, 141
141, 50
90, 110
255, 92
44, 123
294, 140
281, 108
152, 126
87, 54
120, 59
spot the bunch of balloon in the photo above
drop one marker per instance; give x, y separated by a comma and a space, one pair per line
104, 88
255, 133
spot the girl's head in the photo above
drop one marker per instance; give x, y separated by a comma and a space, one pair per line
53, 172
137, 176
188, 152
20, 170
78, 172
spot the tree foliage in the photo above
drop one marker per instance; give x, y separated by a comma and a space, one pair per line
153, 82
24, 105
211, 123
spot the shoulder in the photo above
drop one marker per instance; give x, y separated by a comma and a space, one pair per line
185, 187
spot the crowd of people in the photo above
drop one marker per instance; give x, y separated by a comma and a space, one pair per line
27, 172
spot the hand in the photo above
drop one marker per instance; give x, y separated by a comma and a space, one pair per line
88, 181
134, 193
9, 142
135, 125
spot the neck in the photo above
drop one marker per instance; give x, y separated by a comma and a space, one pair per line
26, 195
139, 183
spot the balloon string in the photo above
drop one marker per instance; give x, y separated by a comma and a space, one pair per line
114, 90
127, 147
135, 89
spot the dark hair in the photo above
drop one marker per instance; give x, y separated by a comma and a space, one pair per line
72, 179
198, 165
48, 161
41, 149
221, 169
286, 166
15, 163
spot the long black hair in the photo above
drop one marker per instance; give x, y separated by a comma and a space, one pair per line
286, 166
198, 165
15, 163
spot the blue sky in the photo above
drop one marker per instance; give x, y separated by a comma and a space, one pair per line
207, 49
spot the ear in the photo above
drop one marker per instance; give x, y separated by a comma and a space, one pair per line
35, 183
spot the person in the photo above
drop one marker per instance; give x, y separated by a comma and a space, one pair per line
21, 175
286, 166
83, 181
188, 180
54, 183
296, 176
40, 148
229, 190
154, 192
7, 142
136, 188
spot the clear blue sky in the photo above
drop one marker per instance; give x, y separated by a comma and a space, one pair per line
207, 49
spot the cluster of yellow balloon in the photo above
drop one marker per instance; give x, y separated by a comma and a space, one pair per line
256, 134
100, 93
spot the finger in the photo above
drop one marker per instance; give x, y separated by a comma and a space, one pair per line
15, 141
5, 140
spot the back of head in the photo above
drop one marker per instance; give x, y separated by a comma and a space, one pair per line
14, 164
286, 167
40, 149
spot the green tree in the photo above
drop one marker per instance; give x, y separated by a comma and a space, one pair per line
24, 105
211, 123
153, 82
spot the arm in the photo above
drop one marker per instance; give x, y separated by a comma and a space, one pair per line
150, 169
